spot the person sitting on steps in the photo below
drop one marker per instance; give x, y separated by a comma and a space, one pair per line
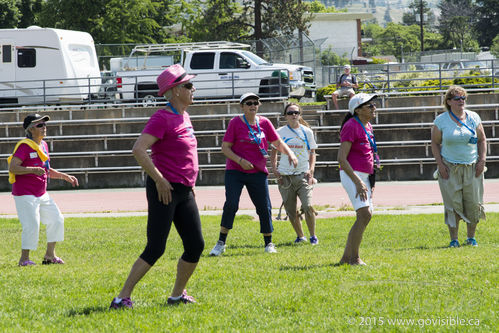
346, 83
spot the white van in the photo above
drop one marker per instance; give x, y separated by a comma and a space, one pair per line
45, 65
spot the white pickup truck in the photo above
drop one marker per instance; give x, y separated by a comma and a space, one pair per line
224, 71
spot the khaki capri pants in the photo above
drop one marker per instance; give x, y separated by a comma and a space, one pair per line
462, 194
291, 186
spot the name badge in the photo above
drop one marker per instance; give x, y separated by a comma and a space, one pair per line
473, 140
33, 154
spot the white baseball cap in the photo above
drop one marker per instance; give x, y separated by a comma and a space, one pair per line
358, 100
248, 95
346, 67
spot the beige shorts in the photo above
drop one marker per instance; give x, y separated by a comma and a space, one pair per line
462, 194
344, 92
293, 186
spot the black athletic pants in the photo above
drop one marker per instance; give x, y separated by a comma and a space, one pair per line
183, 211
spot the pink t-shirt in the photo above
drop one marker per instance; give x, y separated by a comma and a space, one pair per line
245, 146
175, 153
360, 156
31, 184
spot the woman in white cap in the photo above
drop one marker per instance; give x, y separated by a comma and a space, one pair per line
245, 145
357, 158
171, 170
29, 168
458, 144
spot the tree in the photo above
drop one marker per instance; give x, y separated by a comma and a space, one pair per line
387, 18
272, 18
494, 49
487, 20
9, 14
318, 7
456, 23
29, 10
409, 17
219, 20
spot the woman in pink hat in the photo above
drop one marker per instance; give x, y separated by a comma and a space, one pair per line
171, 170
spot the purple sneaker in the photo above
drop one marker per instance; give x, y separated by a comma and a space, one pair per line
184, 298
124, 303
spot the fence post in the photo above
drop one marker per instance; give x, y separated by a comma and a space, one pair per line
44, 94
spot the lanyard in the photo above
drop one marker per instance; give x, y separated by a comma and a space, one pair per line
372, 141
298, 135
258, 139
459, 120
171, 107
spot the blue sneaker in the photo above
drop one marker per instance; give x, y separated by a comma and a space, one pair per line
454, 243
314, 240
471, 242
300, 240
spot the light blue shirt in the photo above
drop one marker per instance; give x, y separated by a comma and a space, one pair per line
456, 146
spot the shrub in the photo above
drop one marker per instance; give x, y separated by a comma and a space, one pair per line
327, 90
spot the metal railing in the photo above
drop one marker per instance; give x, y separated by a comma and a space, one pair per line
407, 77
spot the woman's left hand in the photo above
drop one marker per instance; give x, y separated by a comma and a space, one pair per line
479, 167
293, 160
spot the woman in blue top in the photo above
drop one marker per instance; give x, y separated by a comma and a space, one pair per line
458, 144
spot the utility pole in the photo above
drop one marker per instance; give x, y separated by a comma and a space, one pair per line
421, 18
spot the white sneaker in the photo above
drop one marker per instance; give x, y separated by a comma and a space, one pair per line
218, 249
270, 248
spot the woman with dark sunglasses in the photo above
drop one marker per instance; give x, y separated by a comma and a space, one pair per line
245, 145
29, 169
357, 158
297, 182
172, 170
458, 144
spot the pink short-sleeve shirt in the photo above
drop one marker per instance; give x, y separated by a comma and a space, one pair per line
360, 156
245, 146
175, 153
31, 184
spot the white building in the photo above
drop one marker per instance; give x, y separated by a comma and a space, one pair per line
341, 31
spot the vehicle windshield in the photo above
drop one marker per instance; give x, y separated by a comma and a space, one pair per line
256, 59
474, 64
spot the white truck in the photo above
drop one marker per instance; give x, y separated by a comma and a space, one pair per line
45, 65
224, 70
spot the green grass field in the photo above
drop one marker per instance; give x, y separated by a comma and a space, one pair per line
412, 281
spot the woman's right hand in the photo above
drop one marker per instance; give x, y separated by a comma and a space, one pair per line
246, 165
443, 171
164, 191
361, 190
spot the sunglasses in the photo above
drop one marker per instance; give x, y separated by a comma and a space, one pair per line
188, 85
252, 103
40, 125
292, 113
370, 105
457, 98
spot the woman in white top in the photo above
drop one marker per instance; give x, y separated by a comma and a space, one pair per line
297, 181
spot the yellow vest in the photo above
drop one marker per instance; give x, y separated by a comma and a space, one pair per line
35, 146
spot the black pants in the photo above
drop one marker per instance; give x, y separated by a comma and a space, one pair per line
183, 211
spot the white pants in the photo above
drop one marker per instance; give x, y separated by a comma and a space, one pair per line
31, 210
351, 190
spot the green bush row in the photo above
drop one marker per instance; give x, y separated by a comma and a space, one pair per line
409, 82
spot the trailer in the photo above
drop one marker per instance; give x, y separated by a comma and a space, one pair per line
45, 65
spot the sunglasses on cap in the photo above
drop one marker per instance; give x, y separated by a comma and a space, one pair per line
188, 85
40, 125
292, 113
252, 103
457, 98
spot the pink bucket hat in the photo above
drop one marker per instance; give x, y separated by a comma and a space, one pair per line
172, 77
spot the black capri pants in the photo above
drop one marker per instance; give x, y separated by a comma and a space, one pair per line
183, 211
